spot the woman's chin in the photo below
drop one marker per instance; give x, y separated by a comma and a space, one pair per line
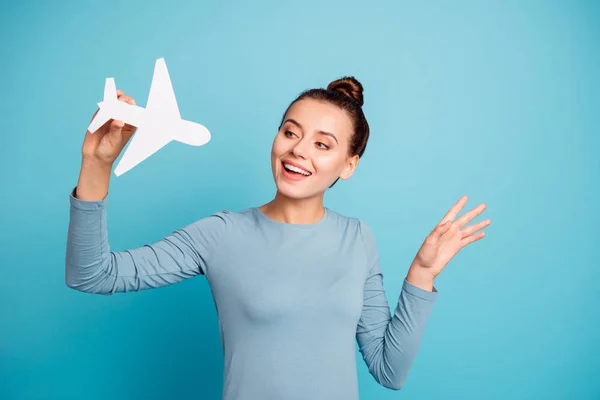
291, 193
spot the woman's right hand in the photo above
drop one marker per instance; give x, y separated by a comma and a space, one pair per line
105, 145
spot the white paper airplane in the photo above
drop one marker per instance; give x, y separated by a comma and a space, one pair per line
157, 124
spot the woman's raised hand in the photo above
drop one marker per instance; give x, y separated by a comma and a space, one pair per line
108, 141
448, 238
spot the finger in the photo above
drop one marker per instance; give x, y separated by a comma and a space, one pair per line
467, 217
92, 140
115, 130
469, 230
453, 212
119, 92
127, 129
472, 238
97, 136
438, 231
126, 99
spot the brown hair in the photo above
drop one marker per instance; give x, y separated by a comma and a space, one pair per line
347, 94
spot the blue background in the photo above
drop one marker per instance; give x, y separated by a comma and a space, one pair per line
498, 101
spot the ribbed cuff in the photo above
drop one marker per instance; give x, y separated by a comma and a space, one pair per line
418, 292
84, 204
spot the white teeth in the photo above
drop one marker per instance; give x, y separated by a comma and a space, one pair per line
296, 169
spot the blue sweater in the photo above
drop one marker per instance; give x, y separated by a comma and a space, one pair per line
291, 299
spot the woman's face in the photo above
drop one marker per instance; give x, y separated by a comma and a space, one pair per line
311, 149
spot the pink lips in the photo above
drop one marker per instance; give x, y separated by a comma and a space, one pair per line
292, 176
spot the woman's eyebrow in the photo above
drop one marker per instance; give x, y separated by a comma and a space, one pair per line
293, 121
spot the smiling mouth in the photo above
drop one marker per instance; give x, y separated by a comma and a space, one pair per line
294, 172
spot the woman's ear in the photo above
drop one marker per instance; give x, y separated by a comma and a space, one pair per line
350, 167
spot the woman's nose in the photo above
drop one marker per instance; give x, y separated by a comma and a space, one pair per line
299, 150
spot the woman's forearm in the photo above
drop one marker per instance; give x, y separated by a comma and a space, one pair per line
94, 179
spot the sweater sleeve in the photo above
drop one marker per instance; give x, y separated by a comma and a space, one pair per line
91, 266
389, 344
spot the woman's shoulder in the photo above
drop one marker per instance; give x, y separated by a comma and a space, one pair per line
229, 216
345, 216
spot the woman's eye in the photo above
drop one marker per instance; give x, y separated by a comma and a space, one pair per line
289, 134
322, 145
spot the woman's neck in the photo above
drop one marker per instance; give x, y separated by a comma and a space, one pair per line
294, 211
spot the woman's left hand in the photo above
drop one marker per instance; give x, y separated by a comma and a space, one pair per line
447, 239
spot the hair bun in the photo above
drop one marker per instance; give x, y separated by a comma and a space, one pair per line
348, 86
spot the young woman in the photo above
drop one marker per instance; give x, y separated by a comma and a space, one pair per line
294, 283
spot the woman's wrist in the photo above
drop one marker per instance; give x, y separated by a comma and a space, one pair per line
420, 277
